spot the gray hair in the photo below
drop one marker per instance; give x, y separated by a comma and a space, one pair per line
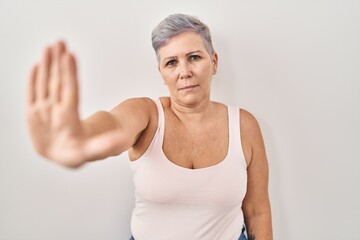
178, 23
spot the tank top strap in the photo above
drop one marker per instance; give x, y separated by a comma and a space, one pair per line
161, 122
235, 146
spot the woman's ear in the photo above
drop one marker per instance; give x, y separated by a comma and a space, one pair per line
215, 61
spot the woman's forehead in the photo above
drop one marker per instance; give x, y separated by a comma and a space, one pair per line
182, 44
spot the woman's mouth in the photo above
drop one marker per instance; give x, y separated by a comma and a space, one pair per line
188, 87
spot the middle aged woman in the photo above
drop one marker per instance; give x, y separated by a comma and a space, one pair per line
200, 168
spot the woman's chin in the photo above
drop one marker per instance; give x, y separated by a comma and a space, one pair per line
191, 99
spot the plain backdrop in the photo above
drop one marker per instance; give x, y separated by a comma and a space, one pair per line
294, 64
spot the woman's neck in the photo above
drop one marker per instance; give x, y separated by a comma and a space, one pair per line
191, 114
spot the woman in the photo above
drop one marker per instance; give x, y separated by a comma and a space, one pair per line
200, 168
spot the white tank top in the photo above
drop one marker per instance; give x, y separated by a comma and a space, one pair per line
177, 203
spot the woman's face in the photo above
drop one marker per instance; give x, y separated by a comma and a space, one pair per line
187, 68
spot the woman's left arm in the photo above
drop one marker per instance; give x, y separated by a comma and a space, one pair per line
256, 204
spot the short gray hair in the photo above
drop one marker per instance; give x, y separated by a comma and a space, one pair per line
178, 23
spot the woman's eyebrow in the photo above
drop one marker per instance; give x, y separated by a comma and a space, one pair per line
168, 58
175, 57
192, 52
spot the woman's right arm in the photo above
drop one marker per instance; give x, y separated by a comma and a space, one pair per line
55, 128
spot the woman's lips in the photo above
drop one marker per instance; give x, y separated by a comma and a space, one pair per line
188, 87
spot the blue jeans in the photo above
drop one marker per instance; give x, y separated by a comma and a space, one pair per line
242, 235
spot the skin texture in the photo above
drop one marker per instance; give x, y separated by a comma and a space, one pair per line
184, 62
58, 133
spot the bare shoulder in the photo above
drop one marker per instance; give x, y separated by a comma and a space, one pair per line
142, 104
144, 112
135, 109
251, 136
248, 122
135, 115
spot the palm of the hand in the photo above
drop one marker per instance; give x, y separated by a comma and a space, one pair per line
52, 107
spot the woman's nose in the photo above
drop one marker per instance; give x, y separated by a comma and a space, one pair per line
185, 71
185, 75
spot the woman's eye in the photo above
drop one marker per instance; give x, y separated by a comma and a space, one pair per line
194, 57
171, 63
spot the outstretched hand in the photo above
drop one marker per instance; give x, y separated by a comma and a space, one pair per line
52, 107
55, 128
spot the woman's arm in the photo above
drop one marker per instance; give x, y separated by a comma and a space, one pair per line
256, 204
55, 128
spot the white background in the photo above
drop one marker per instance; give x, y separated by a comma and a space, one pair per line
294, 64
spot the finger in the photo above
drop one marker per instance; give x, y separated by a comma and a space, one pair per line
31, 83
55, 73
43, 75
69, 84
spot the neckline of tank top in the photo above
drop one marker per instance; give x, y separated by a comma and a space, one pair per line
208, 168
174, 165
202, 169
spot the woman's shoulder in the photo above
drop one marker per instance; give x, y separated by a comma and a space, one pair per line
251, 136
147, 105
139, 100
249, 125
140, 108
137, 103
248, 119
